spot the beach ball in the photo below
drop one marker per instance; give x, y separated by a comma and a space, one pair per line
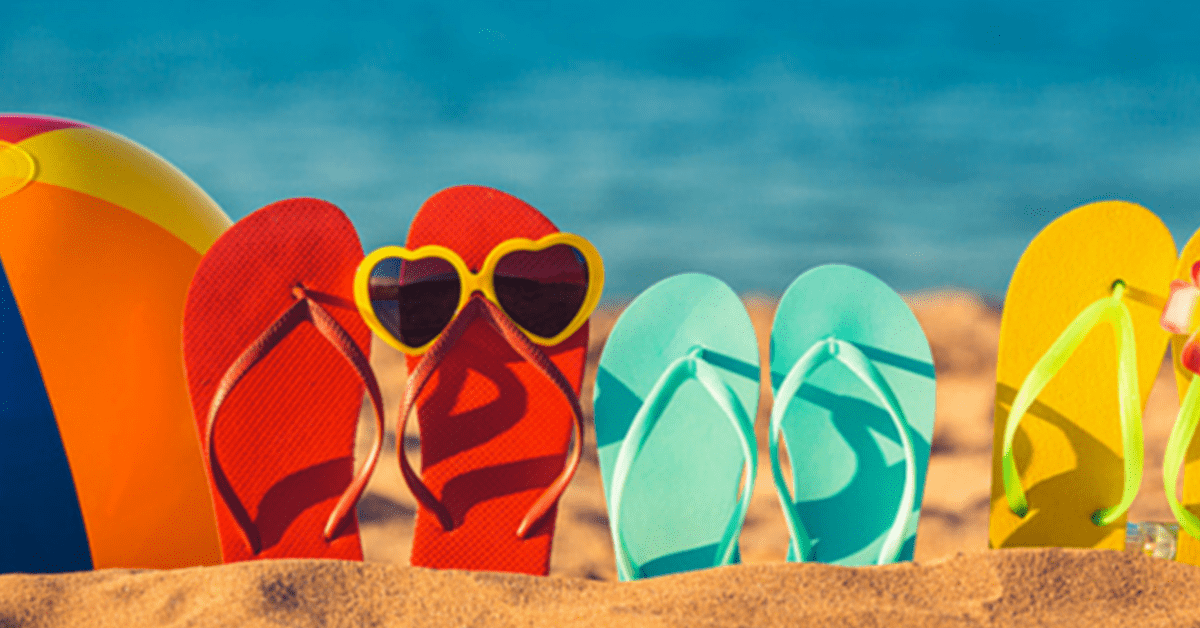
100, 462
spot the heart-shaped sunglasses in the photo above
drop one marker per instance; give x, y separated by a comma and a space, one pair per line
548, 287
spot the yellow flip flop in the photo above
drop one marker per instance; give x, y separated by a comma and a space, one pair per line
1188, 548
1067, 455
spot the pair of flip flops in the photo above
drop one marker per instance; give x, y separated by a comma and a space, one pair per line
276, 334
1068, 452
677, 392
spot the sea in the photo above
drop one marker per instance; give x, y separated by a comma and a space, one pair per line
925, 142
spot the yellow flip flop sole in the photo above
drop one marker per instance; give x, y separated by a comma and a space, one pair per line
1068, 449
1188, 549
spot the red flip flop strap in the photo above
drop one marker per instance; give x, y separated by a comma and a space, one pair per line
519, 342
416, 383
304, 309
257, 349
534, 355
341, 340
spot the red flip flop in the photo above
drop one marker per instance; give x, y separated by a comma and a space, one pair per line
499, 414
271, 345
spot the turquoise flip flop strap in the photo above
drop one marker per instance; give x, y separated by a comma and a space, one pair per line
1113, 310
1177, 446
852, 358
691, 366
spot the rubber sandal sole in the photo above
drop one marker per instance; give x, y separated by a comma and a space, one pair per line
285, 439
1188, 548
848, 468
682, 488
1068, 449
494, 431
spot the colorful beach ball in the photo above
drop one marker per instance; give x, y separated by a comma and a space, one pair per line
100, 464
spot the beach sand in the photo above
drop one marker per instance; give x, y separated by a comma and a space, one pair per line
985, 588
954, 580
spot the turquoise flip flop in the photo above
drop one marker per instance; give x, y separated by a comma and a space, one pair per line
854, 401
676, 393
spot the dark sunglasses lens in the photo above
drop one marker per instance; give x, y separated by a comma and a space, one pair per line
414, 300
542, 291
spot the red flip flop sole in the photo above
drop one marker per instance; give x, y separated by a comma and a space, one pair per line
285, 435
494, 431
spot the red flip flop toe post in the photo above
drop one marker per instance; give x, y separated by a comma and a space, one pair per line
272, 349
498, 415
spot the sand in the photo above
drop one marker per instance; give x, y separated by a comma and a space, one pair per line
987, 588
954, 580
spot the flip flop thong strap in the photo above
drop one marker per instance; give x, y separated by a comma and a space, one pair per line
852, 358
1113, 310
305, 308
481, 308
691, 366
1177, 446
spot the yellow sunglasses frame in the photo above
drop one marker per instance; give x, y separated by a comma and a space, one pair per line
480, 282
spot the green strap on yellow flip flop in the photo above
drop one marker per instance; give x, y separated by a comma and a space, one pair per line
852, 358
1109, 309
1177, 446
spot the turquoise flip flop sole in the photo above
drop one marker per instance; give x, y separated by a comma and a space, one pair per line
679, 371
864, 368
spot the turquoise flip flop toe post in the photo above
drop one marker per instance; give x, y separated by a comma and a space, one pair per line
854, 404
676, 395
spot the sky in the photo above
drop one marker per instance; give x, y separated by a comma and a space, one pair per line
926, 142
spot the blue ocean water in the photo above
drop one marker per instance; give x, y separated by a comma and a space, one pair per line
926, 142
